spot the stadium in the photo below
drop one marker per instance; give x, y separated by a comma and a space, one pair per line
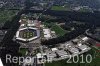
27, 34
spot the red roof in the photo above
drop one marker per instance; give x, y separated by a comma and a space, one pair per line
98, 45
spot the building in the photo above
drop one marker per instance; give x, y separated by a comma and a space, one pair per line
74, 50
28, 30
50, 56
41, 58
85, 38
54, 49
62, 53
27, 34
47, 33
84, 47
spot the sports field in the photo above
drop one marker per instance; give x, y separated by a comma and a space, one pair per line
27, 33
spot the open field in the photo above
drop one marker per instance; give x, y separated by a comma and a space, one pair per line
60, 8
59, 31
54, 27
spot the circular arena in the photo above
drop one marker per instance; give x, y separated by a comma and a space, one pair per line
27, 34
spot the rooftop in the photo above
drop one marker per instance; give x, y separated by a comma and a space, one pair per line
83, 47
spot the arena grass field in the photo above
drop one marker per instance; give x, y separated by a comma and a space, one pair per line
28, 35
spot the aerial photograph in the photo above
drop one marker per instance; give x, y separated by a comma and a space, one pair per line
49, 32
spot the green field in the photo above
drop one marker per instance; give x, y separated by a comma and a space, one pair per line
28, 35
84, 10
60, 8
54, 27
23, 51
59, 31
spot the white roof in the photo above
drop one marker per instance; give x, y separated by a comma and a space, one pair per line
54, 49
39, 55
52, 31
22, 24
62, 53
47, 33
1, 64
76, 40
85, 38
51, 54
79, 44
47, 36
83, 47
74, 50
20, 20
31, 24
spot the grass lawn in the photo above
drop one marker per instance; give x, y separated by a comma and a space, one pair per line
84, 10
28, 34
60, 8
54, 27
96, 57
59, 31
23, 51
